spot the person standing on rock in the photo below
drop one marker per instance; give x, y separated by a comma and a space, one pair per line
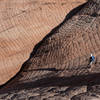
92, 59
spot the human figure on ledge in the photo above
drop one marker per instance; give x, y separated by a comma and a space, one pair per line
92, 59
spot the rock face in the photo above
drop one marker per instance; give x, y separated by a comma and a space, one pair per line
59, 67
23, 23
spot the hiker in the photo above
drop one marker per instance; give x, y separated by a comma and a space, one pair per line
92, 59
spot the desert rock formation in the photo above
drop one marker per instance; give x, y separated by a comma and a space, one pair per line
23, 23
62, 57
59, 67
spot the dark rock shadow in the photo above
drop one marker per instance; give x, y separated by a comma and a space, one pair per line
47, 69
90, 80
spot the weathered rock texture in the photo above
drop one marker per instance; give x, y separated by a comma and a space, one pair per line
58, 68
23, 23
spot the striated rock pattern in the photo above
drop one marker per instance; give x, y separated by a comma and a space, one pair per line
59, 67
23, 23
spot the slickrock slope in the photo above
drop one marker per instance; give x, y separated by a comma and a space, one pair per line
58, 68
23, 23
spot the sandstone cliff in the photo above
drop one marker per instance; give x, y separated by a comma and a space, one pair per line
58, 67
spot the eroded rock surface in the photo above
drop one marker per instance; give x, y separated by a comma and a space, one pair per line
23, 23
58, 68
